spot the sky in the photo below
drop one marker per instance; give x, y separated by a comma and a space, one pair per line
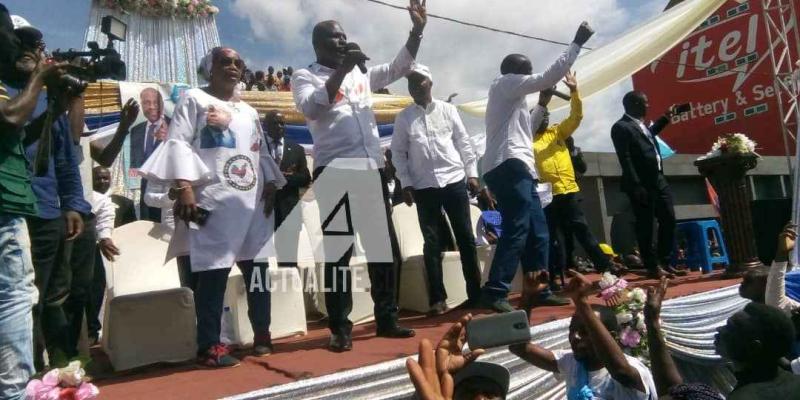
463, 60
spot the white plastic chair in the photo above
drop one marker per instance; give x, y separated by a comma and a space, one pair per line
148, 316
486, 254
287, 307
414, 293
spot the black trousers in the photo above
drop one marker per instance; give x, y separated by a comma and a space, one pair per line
286, 235
96, 294
565, 219
383, 278
48, 241
454, 199
658, 207
82, 264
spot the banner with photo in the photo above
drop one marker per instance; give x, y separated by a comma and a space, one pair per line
156, 103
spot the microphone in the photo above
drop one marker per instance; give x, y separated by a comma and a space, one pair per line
354, 46
561, 95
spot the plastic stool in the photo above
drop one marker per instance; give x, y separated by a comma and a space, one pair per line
698, 235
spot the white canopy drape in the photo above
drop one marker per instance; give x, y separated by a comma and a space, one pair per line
603, 67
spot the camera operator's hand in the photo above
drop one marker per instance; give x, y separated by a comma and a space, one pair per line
128, 114
74, 224
47, 72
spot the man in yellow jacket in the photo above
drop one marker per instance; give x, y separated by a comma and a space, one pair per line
554, 164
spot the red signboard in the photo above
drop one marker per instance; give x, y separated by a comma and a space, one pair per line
725, 71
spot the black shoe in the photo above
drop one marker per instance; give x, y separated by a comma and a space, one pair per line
438, 308
340, 343
674, 271
395, 332
658, 273
552, 300
498, 305
262, 345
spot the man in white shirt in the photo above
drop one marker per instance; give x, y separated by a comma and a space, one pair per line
510, 173
433, 154
104, 211
336, 101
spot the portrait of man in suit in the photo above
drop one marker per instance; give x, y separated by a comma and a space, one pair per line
644, 183
149, 134
145, 137
291, 157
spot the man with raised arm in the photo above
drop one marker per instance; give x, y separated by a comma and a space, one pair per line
510, 172
335, 98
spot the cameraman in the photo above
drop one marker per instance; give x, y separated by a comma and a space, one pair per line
62, 209
17, 201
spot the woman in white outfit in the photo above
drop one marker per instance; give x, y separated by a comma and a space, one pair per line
225, 190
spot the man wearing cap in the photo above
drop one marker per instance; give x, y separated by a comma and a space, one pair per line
62, 209
335, 98
554, 164
433, 155
17, 201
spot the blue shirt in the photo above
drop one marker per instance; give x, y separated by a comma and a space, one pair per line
60, 189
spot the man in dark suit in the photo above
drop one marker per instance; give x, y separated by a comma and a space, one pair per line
644, 182
291, 158
145, 138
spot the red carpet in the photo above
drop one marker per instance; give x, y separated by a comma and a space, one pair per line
305, 357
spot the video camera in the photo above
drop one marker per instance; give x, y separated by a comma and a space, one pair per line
96, 63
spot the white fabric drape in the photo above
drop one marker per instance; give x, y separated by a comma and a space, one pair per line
609, 64
159, 49
689, 324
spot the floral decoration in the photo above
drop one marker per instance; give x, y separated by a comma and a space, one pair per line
68, 383
628, 304
732, 143
163, 8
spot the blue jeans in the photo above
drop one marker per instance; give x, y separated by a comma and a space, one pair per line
17, 294
525, 238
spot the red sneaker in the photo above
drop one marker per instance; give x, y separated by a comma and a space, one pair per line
217, 356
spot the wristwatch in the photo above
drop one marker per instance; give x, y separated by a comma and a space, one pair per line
418, 35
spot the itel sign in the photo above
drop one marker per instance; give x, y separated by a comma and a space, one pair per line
724, 70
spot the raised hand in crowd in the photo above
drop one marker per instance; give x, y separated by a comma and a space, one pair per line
584, 33
419, 15
429, 383
449, 357
105, 156
571, 80
128, 114
532, 285
665, 373
605, 346
74, 223
108, 249
786, 243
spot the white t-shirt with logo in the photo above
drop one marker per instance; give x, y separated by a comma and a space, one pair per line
228, 167
601, 382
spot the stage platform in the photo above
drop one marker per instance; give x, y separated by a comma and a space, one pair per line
306, 357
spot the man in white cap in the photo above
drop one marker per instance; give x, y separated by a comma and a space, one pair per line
437, 165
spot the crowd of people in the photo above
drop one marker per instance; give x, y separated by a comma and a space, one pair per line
224, 179
271, 81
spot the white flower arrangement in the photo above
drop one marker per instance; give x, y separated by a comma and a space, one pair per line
163, 8
628, 307
732, 143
